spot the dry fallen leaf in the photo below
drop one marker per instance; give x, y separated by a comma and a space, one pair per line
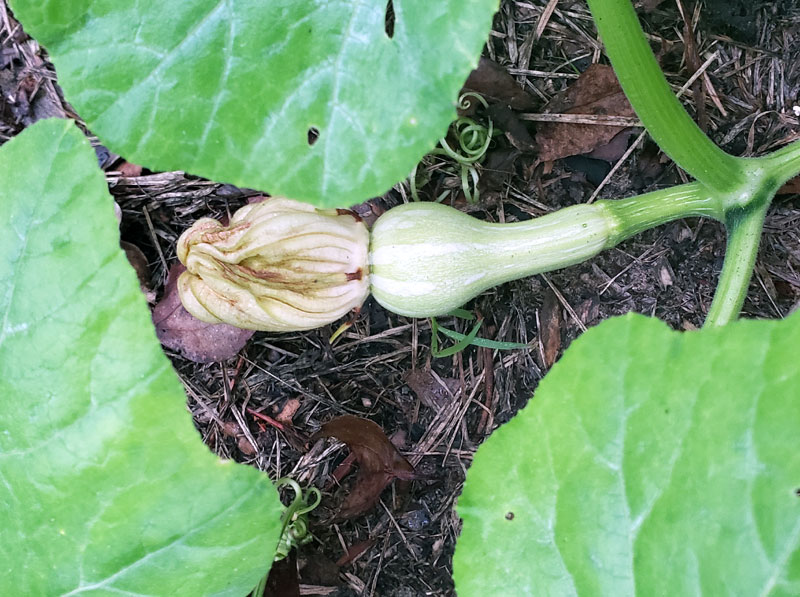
196, 340
596, 92
506, 120
433, 391
318, 569
245, 447
283, 580
791, 187
379, 462
615, 148
27, 95
588, 310
288, 411
649, 6
494, 83
550, 330
354, 551
129, 170
497, 169
138, 261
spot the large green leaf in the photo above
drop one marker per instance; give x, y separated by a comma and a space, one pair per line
648, 463
105, 486
229, 89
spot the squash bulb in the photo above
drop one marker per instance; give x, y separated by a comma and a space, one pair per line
427, 259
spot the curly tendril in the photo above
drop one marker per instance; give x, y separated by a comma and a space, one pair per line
294, 532
473, 142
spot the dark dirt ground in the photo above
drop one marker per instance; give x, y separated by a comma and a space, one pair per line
747, 97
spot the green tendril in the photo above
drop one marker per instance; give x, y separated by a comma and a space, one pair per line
473, 142
294, 531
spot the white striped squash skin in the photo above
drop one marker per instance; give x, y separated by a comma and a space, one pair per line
427, 259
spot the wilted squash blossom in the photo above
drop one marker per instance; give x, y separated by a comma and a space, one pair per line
280, 265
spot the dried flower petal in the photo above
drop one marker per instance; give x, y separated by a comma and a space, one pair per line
280, 265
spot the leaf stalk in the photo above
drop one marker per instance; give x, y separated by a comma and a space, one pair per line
742, 187
744, 235
653, 101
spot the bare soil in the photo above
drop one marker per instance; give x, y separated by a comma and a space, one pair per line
438, 411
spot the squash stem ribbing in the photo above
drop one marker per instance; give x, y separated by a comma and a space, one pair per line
637, 214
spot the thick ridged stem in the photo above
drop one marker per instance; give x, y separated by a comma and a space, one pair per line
744, 235
744, 187
637, 214
651, 97
782, 164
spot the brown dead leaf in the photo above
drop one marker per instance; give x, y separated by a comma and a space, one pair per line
27, 88
129, 170
513, 128
494, 83
649, 6
245, 447
283, 580
27, 94
433, 391
588, 310
288, 411
369, 211
615, 148
379, 461
791, 187
651, 162
32, 97
340, 472
196, 340
139, 262
596, 92
318, 569
354, 551
497, 169
231, 429
550, 328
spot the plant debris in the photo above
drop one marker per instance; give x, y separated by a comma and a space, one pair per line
196, 340
138, 261
433, 391
283, 580
513, 128
596, 92
379, 461
550, 328
494, 83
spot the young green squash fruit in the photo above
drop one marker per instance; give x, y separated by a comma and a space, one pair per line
427, 259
